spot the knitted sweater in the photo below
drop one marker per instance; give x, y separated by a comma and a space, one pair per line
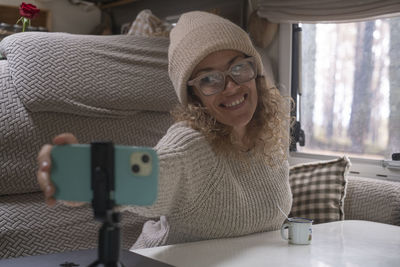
204, 195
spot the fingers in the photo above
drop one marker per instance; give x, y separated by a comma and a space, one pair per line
43, 173
51, 201
65, 138
44, 166
73, 203
45, 183
43, 178
43, 158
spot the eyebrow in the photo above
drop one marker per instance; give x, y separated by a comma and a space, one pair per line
211, 69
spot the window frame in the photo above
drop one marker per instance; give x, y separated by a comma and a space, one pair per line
368, 168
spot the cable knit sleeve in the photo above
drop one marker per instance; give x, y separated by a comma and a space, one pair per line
184, 157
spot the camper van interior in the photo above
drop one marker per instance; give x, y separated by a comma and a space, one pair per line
99, 69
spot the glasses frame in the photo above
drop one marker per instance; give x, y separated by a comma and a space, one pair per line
195, 82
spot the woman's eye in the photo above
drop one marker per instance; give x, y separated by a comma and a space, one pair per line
209, 79
237, 68
206, 79
240, 68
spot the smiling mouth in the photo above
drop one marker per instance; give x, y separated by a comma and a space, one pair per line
235, 103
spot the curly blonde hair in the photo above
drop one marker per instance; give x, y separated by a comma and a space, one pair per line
269, 127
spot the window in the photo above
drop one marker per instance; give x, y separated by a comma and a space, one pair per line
350, 88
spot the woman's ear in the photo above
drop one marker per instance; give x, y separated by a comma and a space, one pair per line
261, 30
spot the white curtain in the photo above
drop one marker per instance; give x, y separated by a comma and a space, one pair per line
315, 11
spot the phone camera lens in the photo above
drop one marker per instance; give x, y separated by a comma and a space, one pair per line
145, 158
135, 168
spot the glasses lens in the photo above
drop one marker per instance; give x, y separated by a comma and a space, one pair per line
214, 82
211, 83
243, 71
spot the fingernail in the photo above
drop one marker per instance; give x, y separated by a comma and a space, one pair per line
44, 164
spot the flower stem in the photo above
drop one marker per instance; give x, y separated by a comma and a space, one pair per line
25, 23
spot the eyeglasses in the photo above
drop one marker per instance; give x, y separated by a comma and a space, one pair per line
213, 82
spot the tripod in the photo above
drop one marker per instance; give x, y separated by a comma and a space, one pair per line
103, 185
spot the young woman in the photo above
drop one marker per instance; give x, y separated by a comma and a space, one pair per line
223, 165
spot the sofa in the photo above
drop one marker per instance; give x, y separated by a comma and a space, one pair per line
109, 88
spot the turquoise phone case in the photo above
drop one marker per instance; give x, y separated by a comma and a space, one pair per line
136, 174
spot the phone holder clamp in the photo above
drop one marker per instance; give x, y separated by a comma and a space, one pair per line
103, 186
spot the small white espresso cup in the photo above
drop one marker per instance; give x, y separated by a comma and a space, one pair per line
300, 232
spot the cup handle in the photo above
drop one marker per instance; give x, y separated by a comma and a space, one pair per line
284, 226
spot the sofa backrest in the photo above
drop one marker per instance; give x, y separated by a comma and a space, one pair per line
98, 87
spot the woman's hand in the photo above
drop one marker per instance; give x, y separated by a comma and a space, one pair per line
44, 163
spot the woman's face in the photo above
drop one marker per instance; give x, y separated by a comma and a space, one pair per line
236, 104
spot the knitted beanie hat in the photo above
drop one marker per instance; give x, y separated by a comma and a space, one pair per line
196, 35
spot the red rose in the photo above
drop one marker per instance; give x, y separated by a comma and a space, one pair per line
28, 11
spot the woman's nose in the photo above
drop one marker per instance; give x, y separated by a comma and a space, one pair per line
230, 85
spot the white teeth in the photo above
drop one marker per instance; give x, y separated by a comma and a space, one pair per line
235, 103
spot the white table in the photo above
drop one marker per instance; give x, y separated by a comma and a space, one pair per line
343, 243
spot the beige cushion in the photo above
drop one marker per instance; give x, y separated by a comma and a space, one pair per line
29, 227
147, 24
98, 76
373, 200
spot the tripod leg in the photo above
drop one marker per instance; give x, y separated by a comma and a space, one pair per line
109, 243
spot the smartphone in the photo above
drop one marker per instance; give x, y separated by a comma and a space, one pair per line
135, 171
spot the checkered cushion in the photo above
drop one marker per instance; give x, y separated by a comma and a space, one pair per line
319, 190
